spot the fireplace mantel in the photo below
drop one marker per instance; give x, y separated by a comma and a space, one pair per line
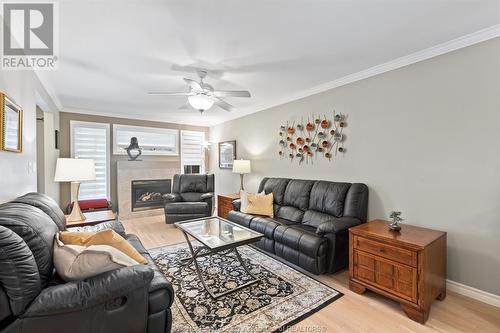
127, 171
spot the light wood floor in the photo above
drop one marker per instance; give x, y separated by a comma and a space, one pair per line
352, 312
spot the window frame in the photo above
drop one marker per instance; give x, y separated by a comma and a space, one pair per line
118, 151
106, 126
203, 156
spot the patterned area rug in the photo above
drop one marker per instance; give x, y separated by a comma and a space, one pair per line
283, 297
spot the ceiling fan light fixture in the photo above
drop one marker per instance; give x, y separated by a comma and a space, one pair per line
201, 102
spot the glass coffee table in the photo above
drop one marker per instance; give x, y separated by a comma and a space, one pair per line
217, 235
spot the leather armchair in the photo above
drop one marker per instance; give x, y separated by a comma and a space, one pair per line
192, 197
34, 299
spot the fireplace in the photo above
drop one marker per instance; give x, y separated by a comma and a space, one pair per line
148, 194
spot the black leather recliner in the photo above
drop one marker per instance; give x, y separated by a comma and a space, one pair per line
311, 221
192, 197
34, 299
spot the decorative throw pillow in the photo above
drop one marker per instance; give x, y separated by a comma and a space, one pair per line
259, 204
75, 262
244, 200
104, 237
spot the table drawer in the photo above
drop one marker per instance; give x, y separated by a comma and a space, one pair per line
404, 256
399, 280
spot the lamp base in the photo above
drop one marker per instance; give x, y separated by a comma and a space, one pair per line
76, 213
241, 180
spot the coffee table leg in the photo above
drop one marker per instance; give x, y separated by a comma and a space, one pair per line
242, 263
195, 254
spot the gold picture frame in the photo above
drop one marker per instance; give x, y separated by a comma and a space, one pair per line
11, 125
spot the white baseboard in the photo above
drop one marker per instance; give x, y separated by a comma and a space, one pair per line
474, 293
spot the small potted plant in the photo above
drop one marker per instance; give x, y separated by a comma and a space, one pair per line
396, 219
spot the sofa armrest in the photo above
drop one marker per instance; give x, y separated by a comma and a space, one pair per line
337, 225
207, 196
80, 295
237, 205
172, 197
116, 226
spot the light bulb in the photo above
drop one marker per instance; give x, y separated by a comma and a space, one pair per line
200, 102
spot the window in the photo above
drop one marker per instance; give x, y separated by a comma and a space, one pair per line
152, 140
91, 141
192, 152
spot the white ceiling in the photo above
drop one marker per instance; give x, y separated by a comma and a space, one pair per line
113, 52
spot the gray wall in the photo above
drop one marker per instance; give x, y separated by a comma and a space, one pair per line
65, 119
18, 170
426, 140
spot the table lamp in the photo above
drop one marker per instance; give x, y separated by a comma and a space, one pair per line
75, 170
241, 167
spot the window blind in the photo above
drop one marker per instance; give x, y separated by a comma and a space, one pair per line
192, 151
90, 141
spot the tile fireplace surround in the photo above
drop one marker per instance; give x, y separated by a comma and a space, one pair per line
127, 171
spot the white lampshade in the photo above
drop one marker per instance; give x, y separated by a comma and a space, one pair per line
74, 170
241, 166
201, 102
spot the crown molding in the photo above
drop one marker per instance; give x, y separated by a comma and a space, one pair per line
178, 121
477, 294
431, 52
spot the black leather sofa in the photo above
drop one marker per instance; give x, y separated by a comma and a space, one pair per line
34, 299
192, 197
311, 221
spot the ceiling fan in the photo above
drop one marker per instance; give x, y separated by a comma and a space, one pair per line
202, 96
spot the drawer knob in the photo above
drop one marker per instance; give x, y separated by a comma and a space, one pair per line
381, 250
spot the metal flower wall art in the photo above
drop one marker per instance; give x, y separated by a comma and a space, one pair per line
317, 137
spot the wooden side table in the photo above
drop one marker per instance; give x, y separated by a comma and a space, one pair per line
225, 203
408, 266
93, 218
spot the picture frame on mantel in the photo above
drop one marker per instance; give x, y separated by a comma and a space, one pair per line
11, 125
227, 154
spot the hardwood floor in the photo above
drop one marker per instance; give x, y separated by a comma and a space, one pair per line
352, 312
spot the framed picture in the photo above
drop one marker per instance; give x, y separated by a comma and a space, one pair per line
11, 125
227, 154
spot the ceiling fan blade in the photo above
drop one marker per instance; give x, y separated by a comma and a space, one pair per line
224, 105
166, 93
232, 93
194, 85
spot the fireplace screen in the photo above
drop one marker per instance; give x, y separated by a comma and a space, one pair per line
148, 194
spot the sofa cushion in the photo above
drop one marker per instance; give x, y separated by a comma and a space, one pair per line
186, 207
18, 273
37, 229
45, 203
264, 225
260, 204
193, 183
297, 193
329, 197
190, 196
290, 213
240, 218
314, 218
75, 262
356, 202
301, 238
104, 237
283, 221
275, 185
